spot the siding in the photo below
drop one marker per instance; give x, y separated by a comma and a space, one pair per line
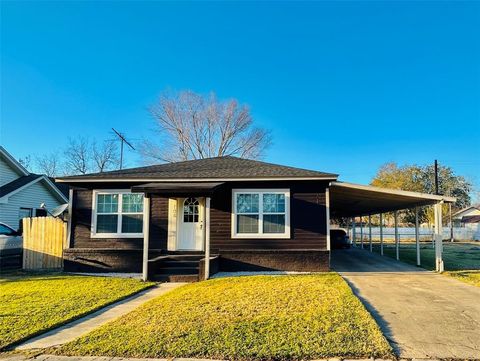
82, 223
307, 220
30, 197
7, 174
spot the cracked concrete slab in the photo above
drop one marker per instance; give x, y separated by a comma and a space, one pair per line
424, 315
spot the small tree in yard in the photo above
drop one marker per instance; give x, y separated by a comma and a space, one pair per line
192, 126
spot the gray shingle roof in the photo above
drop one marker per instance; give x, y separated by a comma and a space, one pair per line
210, 168
17, 183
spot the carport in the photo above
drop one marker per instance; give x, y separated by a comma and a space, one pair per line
348, 200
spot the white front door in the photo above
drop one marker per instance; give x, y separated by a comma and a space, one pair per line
190, 224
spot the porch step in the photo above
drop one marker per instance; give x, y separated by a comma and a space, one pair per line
178, 270
180, 263
185, 253
177, 267
175, 278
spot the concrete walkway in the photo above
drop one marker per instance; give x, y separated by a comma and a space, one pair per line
422, 314
86, 324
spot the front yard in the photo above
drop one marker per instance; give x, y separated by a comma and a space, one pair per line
32, 304
244, 318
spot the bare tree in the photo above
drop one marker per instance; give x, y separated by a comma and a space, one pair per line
25, 161
77, 156
105, 155
192, 126
49, 164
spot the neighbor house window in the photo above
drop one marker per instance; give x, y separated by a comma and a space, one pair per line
117, 214
260, 213
25, 213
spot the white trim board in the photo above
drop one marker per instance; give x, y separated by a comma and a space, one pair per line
15, 163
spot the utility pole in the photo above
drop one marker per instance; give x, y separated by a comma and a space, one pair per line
436, 177
122, 140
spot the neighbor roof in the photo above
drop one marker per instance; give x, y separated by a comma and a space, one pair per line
471, 219
22, 182
17, 183
465, 209
15, 164
219, 168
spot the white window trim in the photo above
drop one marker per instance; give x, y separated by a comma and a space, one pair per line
262, 235
93, 229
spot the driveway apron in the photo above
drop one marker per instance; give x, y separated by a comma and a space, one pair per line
421, 313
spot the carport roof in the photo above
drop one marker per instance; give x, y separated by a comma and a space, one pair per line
349, 200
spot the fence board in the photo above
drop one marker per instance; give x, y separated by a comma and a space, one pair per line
43, 242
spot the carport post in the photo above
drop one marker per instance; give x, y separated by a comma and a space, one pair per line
146, 234
206, 276
370, 231
397, 240
354, 241
439, 266
327, 226
417, 237
450, 221
361, 232
381, 234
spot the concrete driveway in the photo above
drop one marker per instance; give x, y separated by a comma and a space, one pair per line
422, 314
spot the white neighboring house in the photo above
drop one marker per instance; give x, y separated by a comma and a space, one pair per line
468, 218
22, 192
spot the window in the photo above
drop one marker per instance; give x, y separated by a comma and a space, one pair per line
190, 210
117, 214
260, 213
25, 213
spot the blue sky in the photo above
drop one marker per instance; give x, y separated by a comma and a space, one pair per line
344, 86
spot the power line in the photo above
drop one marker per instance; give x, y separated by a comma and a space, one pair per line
122, 140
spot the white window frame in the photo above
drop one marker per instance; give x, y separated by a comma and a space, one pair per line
260, 233
118, 234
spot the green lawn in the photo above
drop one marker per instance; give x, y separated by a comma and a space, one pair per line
244, 318
456, 256
31, 304
471, 277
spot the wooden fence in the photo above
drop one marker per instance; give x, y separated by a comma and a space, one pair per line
43, 241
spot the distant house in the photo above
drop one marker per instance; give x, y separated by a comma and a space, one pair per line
22, 192
467, 216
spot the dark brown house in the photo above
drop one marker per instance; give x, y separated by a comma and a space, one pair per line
189, 220
248, 215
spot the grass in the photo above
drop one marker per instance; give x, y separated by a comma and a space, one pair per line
243, 318
472, 277
456, 256
31, 304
